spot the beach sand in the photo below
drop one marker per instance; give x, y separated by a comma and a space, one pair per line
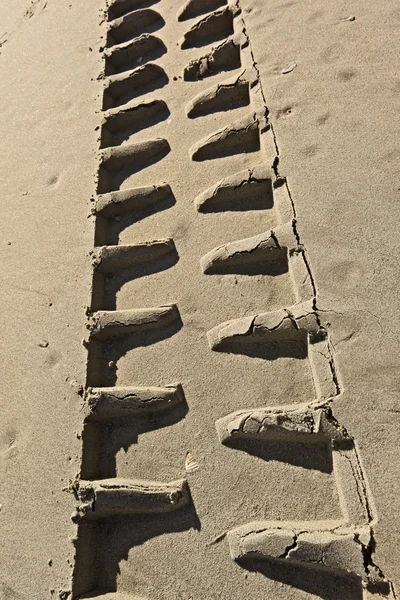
199, 300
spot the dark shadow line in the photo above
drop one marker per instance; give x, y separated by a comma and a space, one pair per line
299, 450
320, 582
130, 33
276, 346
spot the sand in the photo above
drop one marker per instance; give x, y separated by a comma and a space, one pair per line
199, 319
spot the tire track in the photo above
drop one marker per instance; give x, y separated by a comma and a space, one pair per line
131, 191
292, 331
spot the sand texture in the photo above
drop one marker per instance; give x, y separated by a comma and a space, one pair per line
199, 324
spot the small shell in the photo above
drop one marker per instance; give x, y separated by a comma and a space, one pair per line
289, 68
190, 463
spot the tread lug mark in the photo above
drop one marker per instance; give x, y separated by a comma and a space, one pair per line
131, 158
121, 89
134, 200
106, 324
109, 497
132, 119
109, 259
294, 422
238, 138
118, 264
115, 159
269, 335
337, 550
211, 28
126, 57
228, 95
114, 402
118, 8
250, 189
224, 57
118, 210
126, 27
263, 254
195, 8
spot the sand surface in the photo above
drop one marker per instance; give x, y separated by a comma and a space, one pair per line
198, 243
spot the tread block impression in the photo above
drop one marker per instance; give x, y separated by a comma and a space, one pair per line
114, 402
312, 425
118, 8
224, 57
228, 95
129, 25
137, 117
115, 159
109, 259
105, 324
285, 332
264, 254
250, 189
120, 124
238, 138
127, 160
337, 550
122, 89
109, 497
211, 28
133, 200
195, 8
120, 209
117, 264
134, 54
